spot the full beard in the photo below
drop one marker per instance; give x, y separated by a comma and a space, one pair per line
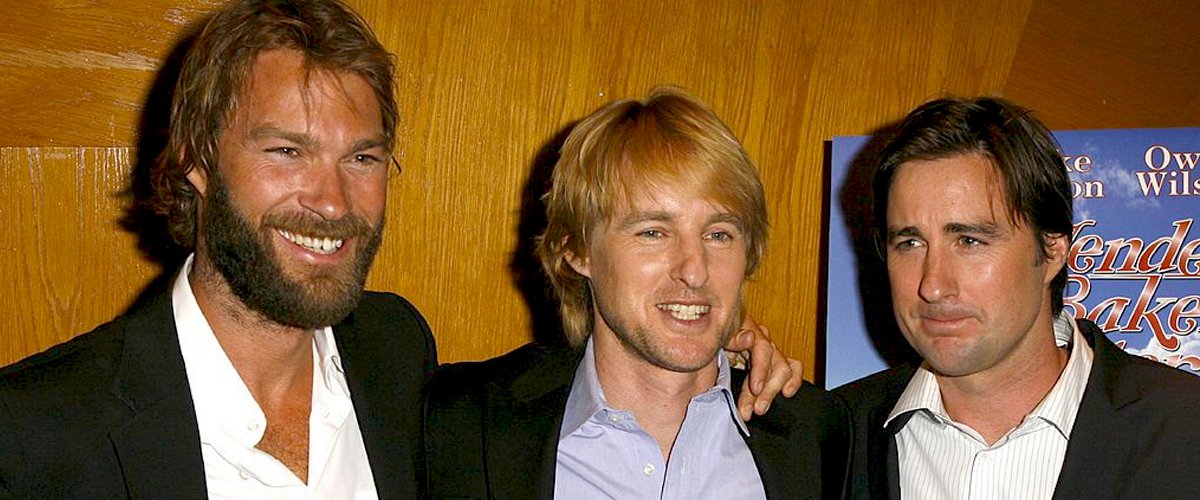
244, 257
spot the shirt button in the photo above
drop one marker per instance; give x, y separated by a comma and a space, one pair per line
614, 418
252, 426
648, 469
243, 474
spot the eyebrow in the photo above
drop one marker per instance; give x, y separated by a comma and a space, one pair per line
640, 217
271, 132
903, 232
980, 228
728, 218
662, 216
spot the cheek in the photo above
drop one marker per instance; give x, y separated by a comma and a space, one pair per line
730, 272
903, 276
370, 195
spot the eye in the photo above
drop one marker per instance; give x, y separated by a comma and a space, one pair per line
968, 241
906, 244
367, 159
652, 234
721, 236
287, 151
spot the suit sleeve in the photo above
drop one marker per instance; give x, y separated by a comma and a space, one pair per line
12, 461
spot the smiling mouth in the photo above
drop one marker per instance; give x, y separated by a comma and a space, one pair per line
685, 312
323, 246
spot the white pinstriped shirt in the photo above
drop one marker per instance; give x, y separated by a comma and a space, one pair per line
943, 459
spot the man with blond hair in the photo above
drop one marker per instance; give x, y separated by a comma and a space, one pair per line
656, 219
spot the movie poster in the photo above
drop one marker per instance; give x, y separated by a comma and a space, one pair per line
1134, 263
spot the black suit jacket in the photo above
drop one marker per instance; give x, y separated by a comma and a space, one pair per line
109, 414
1137, 433
491, 431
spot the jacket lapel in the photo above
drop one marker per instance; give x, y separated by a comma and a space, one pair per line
770, 448
522, 424
1091, 465
158, 447
385, 391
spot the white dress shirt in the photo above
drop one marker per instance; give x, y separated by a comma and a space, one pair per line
943, 459
232, 423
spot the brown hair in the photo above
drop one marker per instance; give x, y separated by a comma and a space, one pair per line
670, 138
329, 35
1036, 188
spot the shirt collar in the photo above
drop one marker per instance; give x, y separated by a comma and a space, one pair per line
221, 399
587, 397
222, 402
1060, 405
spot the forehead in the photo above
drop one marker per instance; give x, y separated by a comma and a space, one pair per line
282, 83
675, 198
960, 188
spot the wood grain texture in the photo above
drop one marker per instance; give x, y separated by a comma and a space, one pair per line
1112, 64
485, 90
68, 264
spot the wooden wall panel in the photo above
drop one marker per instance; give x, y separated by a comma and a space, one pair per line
68, 266
1111, 64
485, 87
76, 73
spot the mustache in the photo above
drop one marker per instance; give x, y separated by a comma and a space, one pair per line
946, 311
349, 226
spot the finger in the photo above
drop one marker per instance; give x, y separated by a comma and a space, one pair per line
745, 402
742, 341
781, 374
797, 379
763, 361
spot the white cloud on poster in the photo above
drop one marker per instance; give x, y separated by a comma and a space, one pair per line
1189, 349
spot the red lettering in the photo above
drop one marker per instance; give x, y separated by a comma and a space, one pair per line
1170, 253
1182, 318
1188, 256
1150, 316
1074, 301
1115, 307
1134, 245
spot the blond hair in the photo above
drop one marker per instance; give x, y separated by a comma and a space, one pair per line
668, 139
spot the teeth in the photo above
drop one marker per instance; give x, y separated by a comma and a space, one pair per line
685, 312
324, 246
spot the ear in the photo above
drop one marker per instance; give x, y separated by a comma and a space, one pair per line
1056, 249
581, 265
196, 175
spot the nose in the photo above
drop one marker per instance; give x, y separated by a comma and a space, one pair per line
326, 190
938, 277
690, 264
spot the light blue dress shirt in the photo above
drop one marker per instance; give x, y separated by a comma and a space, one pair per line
604, 453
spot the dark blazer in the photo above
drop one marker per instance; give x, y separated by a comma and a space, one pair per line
1137, 433
491, 431
109, 414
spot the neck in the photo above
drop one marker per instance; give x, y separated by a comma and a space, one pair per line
656, 396
995, 402
272, 359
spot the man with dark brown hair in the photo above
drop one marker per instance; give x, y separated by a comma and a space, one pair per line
1014, 397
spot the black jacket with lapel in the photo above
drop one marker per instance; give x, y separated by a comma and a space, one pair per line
1134, 436
109, 414
491, 431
